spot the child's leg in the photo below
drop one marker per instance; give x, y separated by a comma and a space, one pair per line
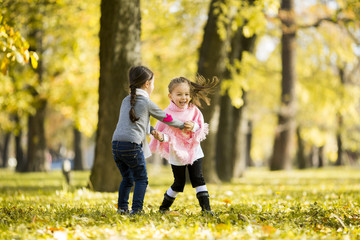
178, 186
179, 178
198, 182
169, 198
141, 182
125, 186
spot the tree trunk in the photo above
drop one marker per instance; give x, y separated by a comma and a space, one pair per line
340, 159
211, 63
224, 146
232, 144
301, 159
119, 50
227, 134
1, 152
321, 157
249, 161
281, 157
340, 122
21, 164
5, 150
36, 146
314, 156
241, 148
79, 163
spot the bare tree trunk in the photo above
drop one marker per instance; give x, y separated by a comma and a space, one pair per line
340, 150
232, 144
314, 156
79, 163
119, 50
321, 157
36, 145
211, 63
301, 159
224, 146
227, 130
19, 153
240, 145
340, 122
241, 148
4, 149
281, 157
249, 161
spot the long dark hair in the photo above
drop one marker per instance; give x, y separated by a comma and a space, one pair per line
138, 75
199, 90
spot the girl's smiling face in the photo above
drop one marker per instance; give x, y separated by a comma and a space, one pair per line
180, 95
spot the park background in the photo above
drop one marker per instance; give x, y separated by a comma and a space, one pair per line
288, 99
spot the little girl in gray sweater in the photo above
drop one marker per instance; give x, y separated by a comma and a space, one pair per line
129, 144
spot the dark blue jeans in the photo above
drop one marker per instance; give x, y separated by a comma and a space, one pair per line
129, 158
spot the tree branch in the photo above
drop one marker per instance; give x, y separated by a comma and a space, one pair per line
319, 21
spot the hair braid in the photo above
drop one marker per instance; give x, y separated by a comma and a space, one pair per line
138, 76
132, 114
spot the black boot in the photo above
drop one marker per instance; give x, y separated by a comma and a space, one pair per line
204, 202
166, 204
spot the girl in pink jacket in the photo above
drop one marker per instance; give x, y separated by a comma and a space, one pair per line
182, 148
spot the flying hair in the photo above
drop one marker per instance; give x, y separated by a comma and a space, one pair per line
199, 90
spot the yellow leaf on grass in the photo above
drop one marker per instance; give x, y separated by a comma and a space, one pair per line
268, 229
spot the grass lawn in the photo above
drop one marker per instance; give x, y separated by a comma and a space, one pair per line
309, 204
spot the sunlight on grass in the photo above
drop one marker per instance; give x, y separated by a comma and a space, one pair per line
308, 204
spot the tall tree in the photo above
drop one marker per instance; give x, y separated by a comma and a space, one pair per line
36, 147
241, 125
79, 163
212, 63
231, 138
232, 149
333, 106
281, 156
119, 49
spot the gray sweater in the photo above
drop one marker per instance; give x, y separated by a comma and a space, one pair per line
136, 132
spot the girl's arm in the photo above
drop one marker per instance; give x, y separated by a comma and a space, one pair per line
160, 115
162, 137
191, 126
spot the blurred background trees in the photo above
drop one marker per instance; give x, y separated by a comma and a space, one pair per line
273, 108
42, 105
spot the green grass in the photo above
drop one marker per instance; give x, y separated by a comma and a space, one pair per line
310, 204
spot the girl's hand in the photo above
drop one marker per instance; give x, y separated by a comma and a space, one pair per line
158, 135
188, 126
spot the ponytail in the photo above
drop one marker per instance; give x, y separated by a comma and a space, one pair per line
200, 89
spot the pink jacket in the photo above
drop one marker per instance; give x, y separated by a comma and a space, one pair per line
183, 144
